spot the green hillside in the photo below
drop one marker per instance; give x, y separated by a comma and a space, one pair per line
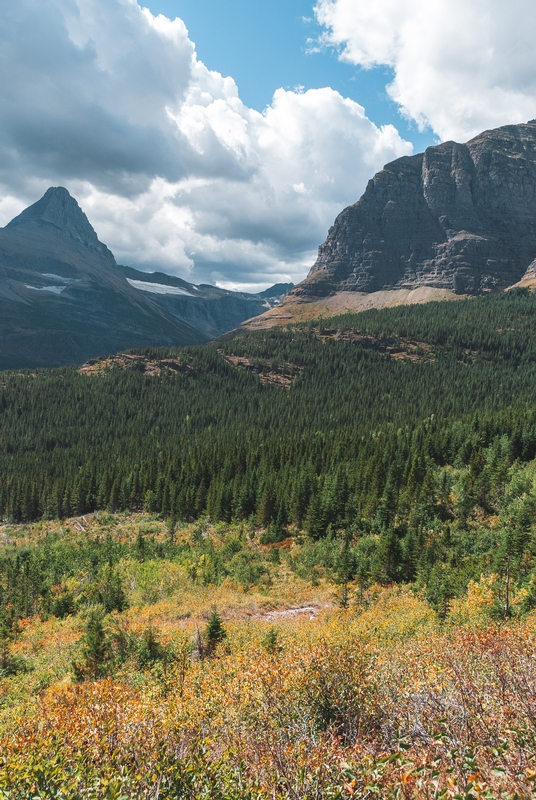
388, 425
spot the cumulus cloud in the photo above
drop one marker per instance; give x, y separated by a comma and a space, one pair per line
460, 66
173, 170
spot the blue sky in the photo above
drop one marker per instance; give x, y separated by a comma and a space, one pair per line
210, 143
265, 46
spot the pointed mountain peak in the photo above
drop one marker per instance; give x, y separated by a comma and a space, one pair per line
59, 209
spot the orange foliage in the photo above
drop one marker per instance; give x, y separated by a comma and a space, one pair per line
348, 705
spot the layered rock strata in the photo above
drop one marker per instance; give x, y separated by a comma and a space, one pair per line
460, 217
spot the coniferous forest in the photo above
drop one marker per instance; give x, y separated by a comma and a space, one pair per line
170, 516
388, 424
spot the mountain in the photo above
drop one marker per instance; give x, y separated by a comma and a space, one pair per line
211, 310
62, 296
457, 220
64, 299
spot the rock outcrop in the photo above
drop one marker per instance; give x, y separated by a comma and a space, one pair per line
460, 217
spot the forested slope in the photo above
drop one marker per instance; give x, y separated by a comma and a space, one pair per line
230, 623
402, 427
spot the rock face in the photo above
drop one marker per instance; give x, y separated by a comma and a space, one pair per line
460, 217
64, 299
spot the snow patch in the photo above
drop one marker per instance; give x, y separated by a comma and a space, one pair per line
157, 288
54, 289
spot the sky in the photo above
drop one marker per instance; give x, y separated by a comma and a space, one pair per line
268, 45
218, 139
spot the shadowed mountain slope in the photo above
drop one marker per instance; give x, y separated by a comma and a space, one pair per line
64, 299
62, 296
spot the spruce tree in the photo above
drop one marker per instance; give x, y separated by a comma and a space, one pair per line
95, 649
214, 632
7, 634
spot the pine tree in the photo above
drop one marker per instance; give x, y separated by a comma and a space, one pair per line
150, 649
271, 641
215, 632
95, 649
344, 570
387, 560
112, 594
315, 519
172, 527
7, 634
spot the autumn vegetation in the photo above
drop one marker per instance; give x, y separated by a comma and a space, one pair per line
134, 675
300, 564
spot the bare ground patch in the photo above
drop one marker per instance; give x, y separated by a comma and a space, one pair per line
282, 375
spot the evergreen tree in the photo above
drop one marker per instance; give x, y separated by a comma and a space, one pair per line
150, 649
315, 519
271, 642
172, 527
111, 593
95, 649
387, 559
215, 632
344, 570
7, 635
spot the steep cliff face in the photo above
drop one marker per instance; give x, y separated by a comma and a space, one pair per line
460, 217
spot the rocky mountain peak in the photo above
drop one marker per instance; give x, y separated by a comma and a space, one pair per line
459, 217
58, 209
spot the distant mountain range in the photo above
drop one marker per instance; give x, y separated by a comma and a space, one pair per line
64, 299
457, 220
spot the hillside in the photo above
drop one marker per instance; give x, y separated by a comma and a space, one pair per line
390, 423
298, 563
121, 680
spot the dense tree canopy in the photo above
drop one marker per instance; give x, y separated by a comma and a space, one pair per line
390, 424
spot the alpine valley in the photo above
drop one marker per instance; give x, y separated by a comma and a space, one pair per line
297, 561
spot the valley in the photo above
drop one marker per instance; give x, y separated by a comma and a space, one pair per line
300, 560
291, 556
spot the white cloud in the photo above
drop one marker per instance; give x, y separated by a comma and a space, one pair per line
173, 170
460, 66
